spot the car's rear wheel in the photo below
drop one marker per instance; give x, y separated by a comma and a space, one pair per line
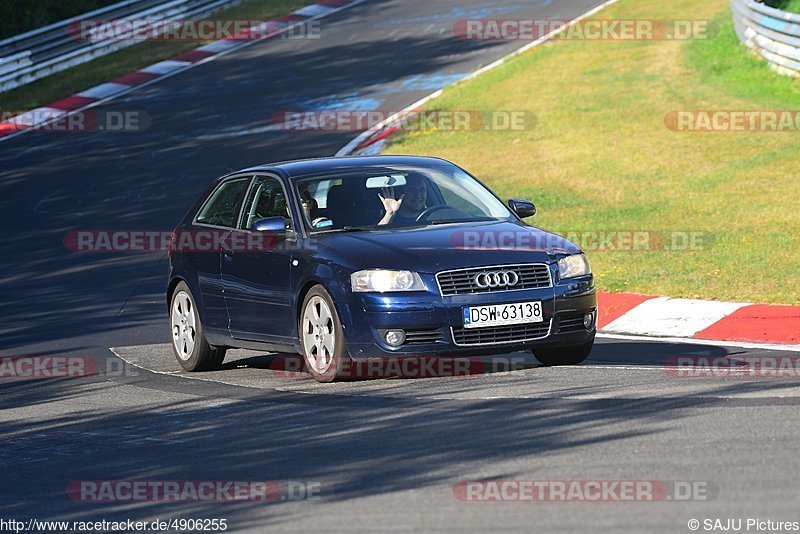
188, 342
322, 337
569, 355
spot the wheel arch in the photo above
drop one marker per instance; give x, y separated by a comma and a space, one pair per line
301, 297
173, 283
196, 295
334, 289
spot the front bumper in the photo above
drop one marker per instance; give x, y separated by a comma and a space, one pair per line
434, 322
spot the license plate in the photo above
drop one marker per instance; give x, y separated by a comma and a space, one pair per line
503, 314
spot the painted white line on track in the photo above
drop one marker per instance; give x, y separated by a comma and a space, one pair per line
348, 149
491, 380
239, 46
705, 342
352, 145
327, 391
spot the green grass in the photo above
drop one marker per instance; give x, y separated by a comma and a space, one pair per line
130, 59
601, 157
729, 67
793, 6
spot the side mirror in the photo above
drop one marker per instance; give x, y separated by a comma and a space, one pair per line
523, 208
272, 225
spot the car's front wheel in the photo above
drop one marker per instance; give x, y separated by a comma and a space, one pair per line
322, 337
188, 342
569, 355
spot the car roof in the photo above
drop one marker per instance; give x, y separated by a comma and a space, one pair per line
316, 166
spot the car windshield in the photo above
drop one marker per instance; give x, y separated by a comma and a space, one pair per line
395, 197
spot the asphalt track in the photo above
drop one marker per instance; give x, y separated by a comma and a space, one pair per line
387, 452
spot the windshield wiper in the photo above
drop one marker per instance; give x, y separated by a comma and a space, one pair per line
453, 221
352, 229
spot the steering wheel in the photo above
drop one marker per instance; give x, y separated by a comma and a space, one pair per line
433, 209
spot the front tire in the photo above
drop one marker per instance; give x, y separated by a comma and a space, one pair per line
322, 336
188, 342
570, 355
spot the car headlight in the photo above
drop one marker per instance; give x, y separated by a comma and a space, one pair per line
382, 281
572, 266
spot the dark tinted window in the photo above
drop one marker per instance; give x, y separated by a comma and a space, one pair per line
223, 205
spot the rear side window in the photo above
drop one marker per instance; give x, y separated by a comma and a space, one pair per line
222, 207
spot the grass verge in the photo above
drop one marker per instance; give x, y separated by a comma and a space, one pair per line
792, 6
601, 157
76, 79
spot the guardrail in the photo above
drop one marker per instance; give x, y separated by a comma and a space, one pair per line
770, 32
33, 55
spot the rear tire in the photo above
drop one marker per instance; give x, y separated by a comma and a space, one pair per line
569, 355
322, 337
188, 342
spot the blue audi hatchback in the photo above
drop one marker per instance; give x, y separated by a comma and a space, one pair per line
350, 259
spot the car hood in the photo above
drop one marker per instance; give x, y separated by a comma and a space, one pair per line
449, 246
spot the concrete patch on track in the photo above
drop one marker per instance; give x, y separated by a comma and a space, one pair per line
650, 374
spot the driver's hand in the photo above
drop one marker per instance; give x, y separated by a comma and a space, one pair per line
390, 203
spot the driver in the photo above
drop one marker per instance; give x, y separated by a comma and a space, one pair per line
409, 205
310, 207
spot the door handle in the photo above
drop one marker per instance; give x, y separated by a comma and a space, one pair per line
227, 247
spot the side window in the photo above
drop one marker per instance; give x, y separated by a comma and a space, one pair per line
223, 205
266, 199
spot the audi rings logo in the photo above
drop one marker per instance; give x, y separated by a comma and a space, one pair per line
496, 279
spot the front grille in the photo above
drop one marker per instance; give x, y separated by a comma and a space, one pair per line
462, 281
500, 334
571, 323
418, 337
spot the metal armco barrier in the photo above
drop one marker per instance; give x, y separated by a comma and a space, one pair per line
29, 56
770, 32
